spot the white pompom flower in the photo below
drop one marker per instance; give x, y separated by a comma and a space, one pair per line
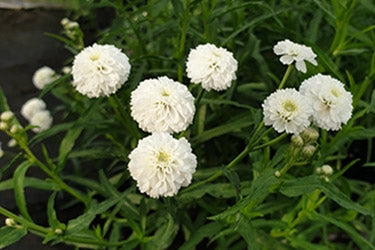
162, 105
42, 120
331, 103
291, 52
287, 110
44, 76
215, 68
161, 164
100, 70
31, 107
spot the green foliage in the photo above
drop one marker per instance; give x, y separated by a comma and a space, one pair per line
253, 189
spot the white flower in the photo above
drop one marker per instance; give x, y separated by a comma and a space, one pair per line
287, 110
331, 103
212, 66
43, 76
31, 107
291, 52
41, 119
162, 105
100, 70
161, 164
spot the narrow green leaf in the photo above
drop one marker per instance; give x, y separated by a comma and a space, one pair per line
354, 235
82, 222
51, 213
303, 244
3, 102
30, 182
165, 234
205, 231
67, 145
243, 122
10, 235
19, 195
245, 228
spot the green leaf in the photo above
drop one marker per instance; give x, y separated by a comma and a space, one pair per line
354, 235
205, 231
51, 212
82, 222
243, 122
3, 102
308, 184
260, 189
10, 235
30, 182
303, 244
164, 235
67, 145
19, 195
246, 230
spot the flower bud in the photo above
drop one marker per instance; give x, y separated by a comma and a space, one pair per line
308, 151
327, 170
3, 126
6, 116
58, 231
309, 135
318, 170
1, 151
277, 173
297, 141
10, 222
12, 143
15, 128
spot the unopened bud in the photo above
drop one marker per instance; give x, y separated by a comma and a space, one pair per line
10, 222
64, 21
4, 126
58, 231
12, 143
15, 128
6, 116
297, 141
277, 173
327, 170
1, 151
308, 151
66, 69
309, 135
318, 170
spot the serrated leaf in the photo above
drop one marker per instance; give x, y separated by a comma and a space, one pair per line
10, 235
19, 195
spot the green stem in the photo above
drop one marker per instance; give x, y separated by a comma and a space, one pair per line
286, 75
123, 116
181, 49
53, 175
277, 139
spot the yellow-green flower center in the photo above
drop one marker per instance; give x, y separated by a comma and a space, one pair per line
289, 106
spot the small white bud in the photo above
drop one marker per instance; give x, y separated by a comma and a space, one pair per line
297, 141
318, 170
277, 173
58, 231
309, 135
10, 222
15, 128
6, 116
3, 126
327, 170
12, 143
308, 151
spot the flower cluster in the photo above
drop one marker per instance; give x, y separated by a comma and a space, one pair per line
161, 164
293, 52
324, 172
44, 76
211, 66
34, 110
321, 99
100, 70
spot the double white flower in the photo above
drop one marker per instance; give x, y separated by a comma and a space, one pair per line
44, 76
162, 105
211, 66
287, 110
331, 103
100, 70
161, 164
293, 52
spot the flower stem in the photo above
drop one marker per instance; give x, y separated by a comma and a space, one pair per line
181, 49
286, 75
